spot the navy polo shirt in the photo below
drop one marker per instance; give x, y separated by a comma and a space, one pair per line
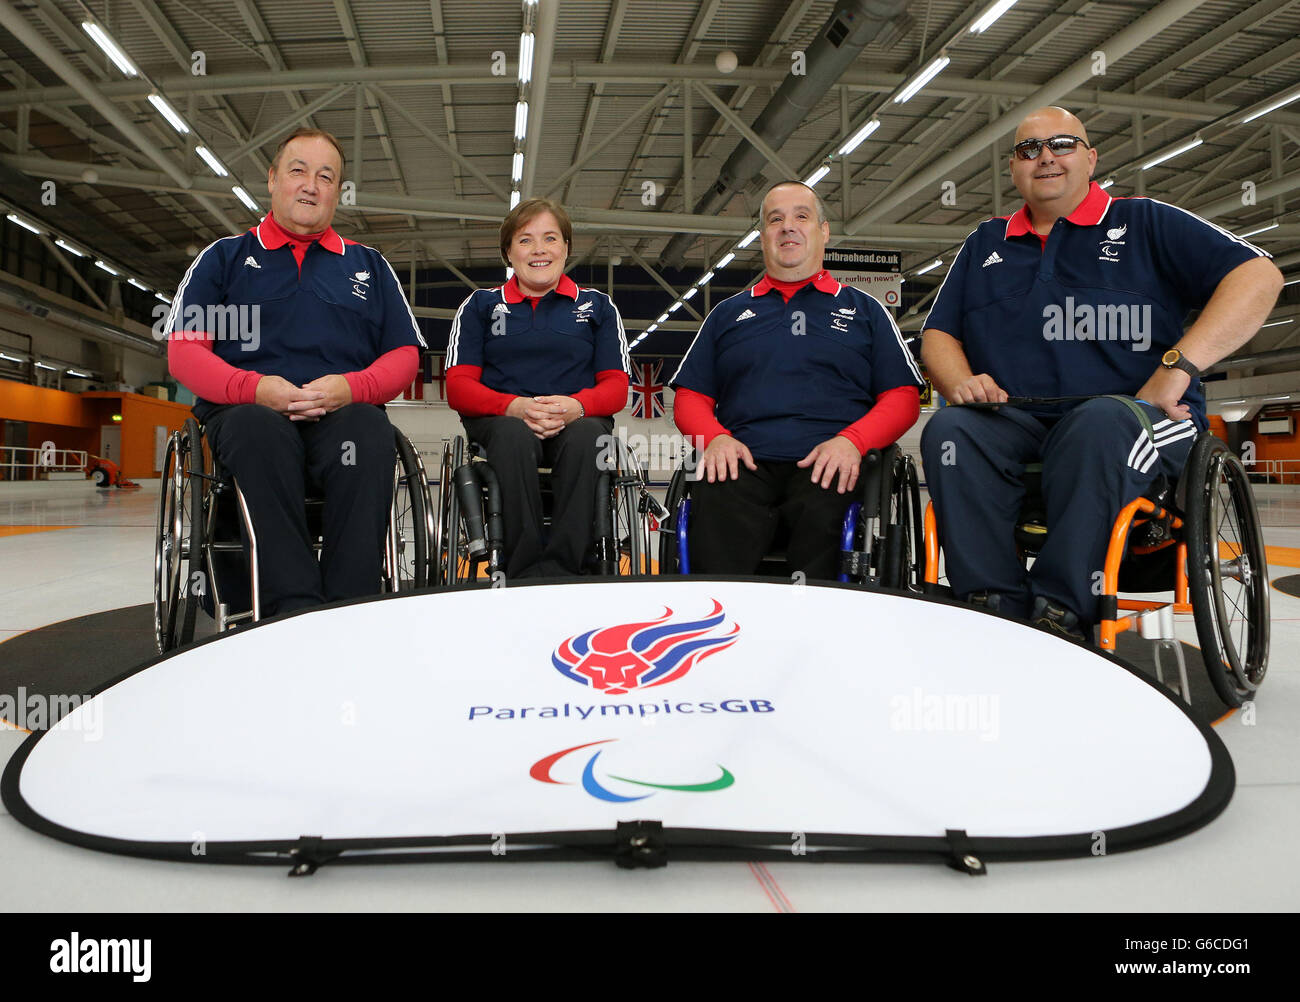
554, 348
343, 311
1092, 310
789, 376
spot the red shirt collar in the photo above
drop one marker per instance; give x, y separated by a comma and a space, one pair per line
822, 282
272, 236
1090, 212
513, 294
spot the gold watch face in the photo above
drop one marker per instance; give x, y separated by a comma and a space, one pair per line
1171, 357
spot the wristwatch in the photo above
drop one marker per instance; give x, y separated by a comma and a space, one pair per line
1175, 359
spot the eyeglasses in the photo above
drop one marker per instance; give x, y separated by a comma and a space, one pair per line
1060, 146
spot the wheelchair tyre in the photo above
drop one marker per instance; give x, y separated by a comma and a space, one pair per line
906, 521
410, 532
668, 563
631, 533
1227, 573
178, 545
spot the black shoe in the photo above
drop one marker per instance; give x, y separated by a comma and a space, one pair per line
989, 600
1055, 619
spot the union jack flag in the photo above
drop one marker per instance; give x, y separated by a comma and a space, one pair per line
647, 390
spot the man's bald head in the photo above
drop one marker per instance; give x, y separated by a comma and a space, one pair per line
1050, 121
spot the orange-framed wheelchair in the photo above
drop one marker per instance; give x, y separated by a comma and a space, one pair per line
1201, 539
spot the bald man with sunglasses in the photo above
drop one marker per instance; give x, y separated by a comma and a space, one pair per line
1077, 294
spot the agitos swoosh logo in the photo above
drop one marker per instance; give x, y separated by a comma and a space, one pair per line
541, 771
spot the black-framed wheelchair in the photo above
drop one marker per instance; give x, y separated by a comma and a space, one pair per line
468, 530
199, 553
1199, 538
880, 537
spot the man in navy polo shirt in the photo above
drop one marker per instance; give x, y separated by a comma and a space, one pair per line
787, 385
294, 338
1077, 294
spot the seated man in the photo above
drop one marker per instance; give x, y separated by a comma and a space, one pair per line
1077, 294
785, 387
294, 395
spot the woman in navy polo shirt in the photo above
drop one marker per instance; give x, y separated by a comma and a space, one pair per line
536, 369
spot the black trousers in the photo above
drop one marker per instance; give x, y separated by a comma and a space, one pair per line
515, 454
734, 522
348, 456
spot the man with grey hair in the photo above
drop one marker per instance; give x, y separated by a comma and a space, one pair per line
785, 388
1076, 295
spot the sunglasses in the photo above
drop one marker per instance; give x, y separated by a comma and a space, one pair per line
1060, 146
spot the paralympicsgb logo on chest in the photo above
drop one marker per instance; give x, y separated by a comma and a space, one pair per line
618, 659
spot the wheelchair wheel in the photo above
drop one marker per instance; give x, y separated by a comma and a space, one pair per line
631, 504
1227, 574
406, 557
905, 522
677, 489
178, 545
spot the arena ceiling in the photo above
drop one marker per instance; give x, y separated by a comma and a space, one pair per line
631, 122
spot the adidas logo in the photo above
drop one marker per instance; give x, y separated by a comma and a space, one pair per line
992, 259
747, 315
251, 262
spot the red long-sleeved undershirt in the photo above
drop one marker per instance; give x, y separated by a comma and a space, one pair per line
894, 412
193, 363
467, 395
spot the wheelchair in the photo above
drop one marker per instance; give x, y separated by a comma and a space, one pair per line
1199, 538
881, 540
468, 530
199, 553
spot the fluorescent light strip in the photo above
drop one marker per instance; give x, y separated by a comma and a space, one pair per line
42, 365
1108, 182
725, 260
985, 21
1284, 396
211, 161
929, 267
1279, 323
526, 41
750, 237
68, 247
23, 223
1263, 229
517, 168
78, 375
1279, 103
165, 299
101, 264
10, 358
1173, 153
694, 289
662, 318
675, 307
1292, 282
521, 120
858, 137
921, 79
246, 198
817, 175
708, 277
139, 285
110, 48
167, 112
514, 198
650, 329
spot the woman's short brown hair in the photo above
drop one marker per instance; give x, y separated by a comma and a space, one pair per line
524, 213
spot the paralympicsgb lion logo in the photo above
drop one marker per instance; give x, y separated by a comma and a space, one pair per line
617, 659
